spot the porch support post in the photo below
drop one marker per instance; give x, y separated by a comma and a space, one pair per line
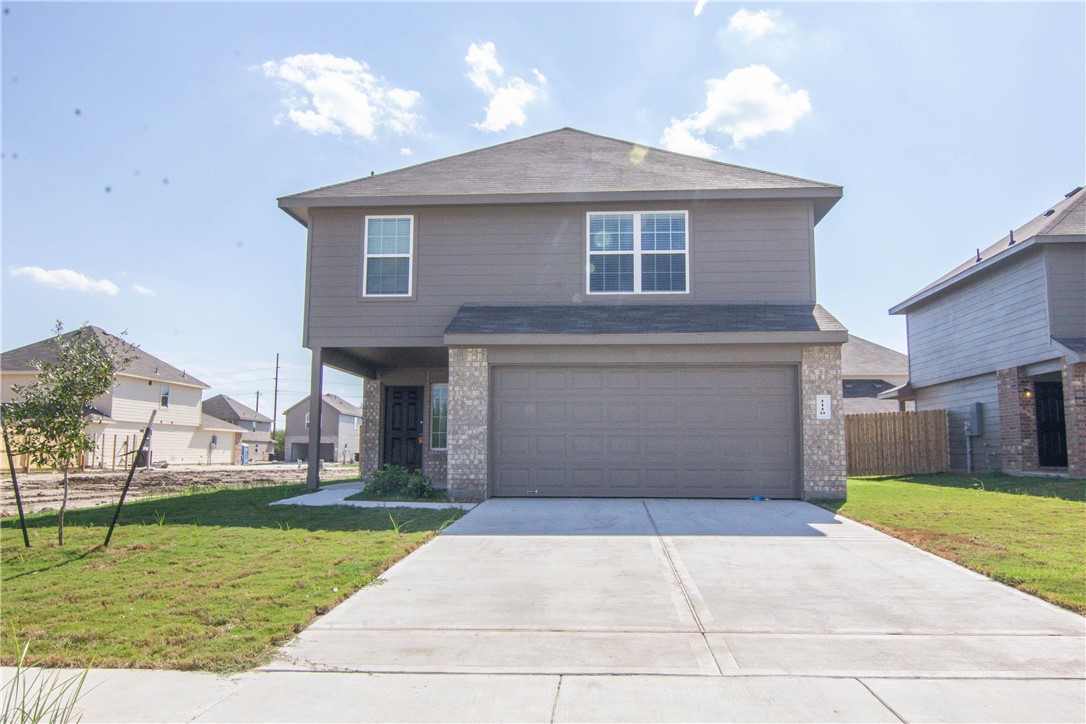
316, 395
469, 393
824, 468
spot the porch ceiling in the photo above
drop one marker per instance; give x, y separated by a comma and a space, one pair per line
371, 361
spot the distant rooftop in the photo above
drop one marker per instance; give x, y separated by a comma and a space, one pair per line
143, 365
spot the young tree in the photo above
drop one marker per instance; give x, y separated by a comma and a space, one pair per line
47, 418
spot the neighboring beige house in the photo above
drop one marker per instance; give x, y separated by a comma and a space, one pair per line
257, 443
868, 369
181, 432
1000, 343
573, 315
340, 421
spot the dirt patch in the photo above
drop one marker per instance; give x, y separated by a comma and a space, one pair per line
44, 491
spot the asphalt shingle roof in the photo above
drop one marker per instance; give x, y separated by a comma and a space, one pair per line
640, 319
863, 358
1066, 218
143, 365
565, 161
864, 388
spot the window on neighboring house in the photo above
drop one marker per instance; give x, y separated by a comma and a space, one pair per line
164, 396
388, 243
354, 421
307, 421
638, 252
439, 417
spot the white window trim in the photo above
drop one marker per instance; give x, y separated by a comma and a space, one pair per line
637, 252
307, 421
431, 415
164, 394
366, 256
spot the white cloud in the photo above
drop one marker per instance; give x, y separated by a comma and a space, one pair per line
140, 289
65, 279
699, 7
405, 151
341, 95
746, 104
754, 25
508, 99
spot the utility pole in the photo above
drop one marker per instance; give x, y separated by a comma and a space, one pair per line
258, 400
275, 399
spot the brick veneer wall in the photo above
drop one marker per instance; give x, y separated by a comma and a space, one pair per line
824, 468
469, 400
1017, 421
1074, 415
369, 446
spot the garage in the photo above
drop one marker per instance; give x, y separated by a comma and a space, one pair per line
644, 431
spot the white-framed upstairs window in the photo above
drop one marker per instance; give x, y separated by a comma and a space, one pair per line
388, 249
164, 395
307, 421
638, 252
439, 417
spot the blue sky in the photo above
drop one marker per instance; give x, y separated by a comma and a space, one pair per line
144, 145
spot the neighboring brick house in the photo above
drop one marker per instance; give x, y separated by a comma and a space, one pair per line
339, 425
257, 440
868, 369
181, 433
1000, 343
574, 315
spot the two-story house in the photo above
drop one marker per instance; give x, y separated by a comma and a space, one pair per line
574, 315
338, 426
1000, 343
181, 433
256, 441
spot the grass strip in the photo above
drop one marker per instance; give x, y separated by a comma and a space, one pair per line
1029, 533
209, 581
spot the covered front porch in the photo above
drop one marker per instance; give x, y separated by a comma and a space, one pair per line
405, 395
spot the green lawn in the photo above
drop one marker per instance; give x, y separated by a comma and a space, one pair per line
213, 580
1027, 532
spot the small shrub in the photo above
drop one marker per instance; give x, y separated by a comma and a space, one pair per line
396, 481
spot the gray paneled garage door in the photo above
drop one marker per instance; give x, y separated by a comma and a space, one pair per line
719, 432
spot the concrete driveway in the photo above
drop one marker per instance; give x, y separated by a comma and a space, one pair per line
707, 610
655, 610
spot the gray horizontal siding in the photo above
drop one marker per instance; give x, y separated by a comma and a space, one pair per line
995, 321
757, 251
1067, 289
957, 398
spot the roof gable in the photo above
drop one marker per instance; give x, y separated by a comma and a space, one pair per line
227, 408
556, 165
143, 365
338, 403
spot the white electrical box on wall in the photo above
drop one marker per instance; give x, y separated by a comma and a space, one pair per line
822, 407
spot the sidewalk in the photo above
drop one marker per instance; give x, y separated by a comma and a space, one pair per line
267, 696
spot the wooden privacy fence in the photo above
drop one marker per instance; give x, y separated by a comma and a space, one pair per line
897, 443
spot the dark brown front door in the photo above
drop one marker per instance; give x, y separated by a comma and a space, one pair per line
403, 427
1051, 431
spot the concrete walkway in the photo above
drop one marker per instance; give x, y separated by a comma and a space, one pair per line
656, 610
338, 493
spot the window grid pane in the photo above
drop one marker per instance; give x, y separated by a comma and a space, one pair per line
439, 417
663, 232
663, 273
388, 236
611, 232
389, 275
611, 273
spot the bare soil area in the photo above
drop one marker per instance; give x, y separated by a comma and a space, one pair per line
44, 491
